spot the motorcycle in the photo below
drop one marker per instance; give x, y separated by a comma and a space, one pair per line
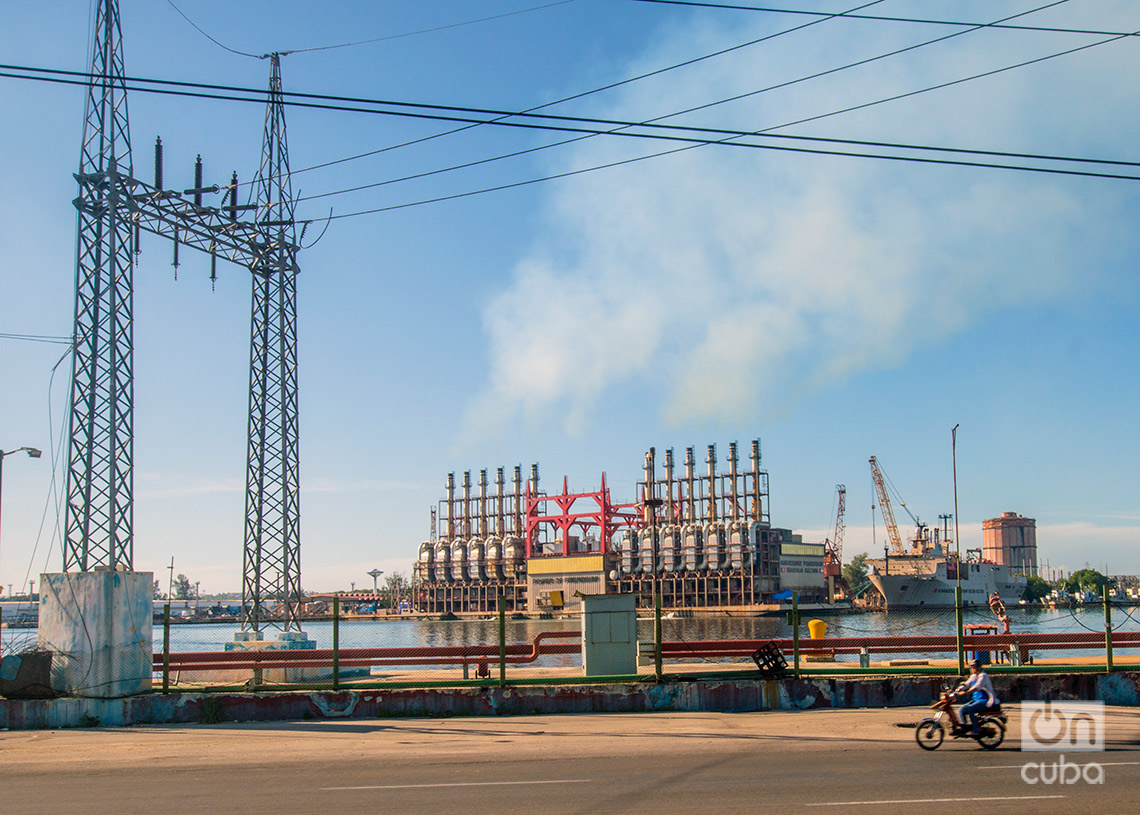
931, 732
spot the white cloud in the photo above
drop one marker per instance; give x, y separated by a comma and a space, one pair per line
731, 281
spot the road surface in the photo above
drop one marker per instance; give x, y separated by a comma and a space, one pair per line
725, 763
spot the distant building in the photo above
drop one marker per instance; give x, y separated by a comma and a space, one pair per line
1011, 540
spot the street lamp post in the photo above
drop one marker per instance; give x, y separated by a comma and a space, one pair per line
32, 453
957, 551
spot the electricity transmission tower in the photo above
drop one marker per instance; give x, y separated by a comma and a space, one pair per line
114, 208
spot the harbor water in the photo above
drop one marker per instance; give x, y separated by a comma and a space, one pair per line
410, 633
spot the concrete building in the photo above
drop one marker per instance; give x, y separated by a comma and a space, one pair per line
1011, 540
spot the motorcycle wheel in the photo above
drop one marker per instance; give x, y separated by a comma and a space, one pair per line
990, 734
929, 734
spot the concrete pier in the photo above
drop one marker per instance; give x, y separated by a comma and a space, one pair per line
98, 628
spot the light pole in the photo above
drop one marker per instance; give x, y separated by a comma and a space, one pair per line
957, 551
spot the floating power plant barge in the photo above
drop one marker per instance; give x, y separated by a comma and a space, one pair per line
706, 541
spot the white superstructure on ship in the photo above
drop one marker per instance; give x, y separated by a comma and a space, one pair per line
929, 581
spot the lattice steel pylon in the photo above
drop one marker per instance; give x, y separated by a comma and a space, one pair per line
99, 515
272, 560
114, 208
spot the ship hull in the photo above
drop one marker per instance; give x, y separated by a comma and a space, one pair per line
918, 583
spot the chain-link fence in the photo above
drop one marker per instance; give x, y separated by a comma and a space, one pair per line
347, 651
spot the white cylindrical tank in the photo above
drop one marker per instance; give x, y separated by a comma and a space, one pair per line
495, 557
670, 548
714, 546
443, 561
427, 560
514, 554
647, 551
459, 560
693, 546
737, 543
752, 545
628, 547
476, 562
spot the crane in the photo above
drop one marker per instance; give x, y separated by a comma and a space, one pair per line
833, 553
885, 506
835, 543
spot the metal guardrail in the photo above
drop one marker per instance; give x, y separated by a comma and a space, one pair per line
942, 643
527, 653
516, 654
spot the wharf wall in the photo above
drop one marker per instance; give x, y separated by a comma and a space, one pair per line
721, 695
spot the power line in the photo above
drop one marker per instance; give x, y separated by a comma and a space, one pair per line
692, 141
432, 30
652, 122
558, 123
821, 116
885, 18
847, 154
37, 338
859, 63
602, 88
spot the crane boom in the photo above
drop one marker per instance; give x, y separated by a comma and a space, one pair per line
885, 506
837, 538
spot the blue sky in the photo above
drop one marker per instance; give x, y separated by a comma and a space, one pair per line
836, 308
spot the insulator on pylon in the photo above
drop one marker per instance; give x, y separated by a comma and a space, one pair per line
233, 196
175, 263
213, 266
198, 181
158, 162
137, 238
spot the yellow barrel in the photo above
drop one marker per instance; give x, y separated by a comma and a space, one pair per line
817, 629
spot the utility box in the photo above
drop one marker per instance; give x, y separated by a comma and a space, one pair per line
98, 627
609, 635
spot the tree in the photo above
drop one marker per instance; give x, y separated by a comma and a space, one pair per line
159, 594
1036, 588
183, 589
855, 573
1086, 580
395, 587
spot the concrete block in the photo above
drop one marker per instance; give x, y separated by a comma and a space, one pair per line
98, 627
286, 641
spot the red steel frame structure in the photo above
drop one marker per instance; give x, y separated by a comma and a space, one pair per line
596, 512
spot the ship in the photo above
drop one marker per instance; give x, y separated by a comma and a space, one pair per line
926, 575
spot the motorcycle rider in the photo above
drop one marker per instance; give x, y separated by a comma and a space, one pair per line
982, 696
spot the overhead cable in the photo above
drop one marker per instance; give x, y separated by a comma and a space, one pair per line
602, 88
547, 121
885, 18
765, 131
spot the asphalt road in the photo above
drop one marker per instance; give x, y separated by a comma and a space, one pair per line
787, 762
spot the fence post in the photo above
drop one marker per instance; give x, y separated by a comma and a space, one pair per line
796, 633
336, 643
166, 648
501, 602
958, 627
1107, 629
657, 675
